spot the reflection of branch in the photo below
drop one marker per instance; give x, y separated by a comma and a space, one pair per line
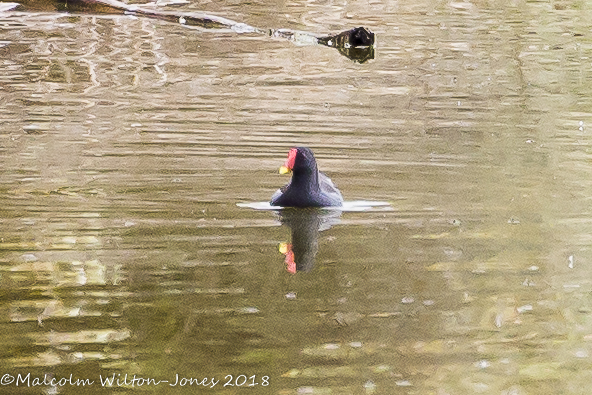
88, 59
161, 59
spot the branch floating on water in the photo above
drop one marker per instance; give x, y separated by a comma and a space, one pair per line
356, 44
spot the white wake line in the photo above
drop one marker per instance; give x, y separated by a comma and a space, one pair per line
354, 205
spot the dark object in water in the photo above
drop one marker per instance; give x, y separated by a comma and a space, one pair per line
308, 186
356, 44
356, 37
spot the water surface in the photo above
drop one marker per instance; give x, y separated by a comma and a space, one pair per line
126, 145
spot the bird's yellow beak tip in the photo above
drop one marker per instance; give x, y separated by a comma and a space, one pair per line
283, 247
284, 170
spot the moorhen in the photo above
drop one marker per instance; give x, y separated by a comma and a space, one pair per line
308, 186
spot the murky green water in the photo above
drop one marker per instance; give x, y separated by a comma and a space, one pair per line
126, 144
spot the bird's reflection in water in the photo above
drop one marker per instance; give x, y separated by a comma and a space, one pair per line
305, 224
